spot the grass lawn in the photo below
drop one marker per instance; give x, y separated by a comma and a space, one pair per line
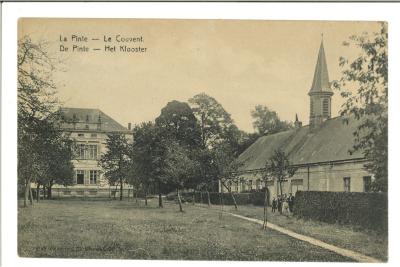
126, 230
369, 243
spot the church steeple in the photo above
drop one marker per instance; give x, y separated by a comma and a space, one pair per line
320, 92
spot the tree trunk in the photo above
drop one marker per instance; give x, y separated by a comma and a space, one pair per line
160, 203
120, 189
265, 208
208, 198
194, 197
201, 197
30, 194
179, 201
136, 197
49, 191
233, 198
129, 192
37, 192
145, 197
26, 193
280, 186
221, 204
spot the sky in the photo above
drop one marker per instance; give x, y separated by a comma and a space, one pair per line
241, 63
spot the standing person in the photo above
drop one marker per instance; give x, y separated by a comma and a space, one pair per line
285, 207
280, 204
274, 205
291, 202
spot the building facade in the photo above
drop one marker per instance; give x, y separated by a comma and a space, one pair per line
321, 151
88, 128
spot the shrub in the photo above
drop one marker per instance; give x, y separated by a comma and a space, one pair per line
368, 210
255, 198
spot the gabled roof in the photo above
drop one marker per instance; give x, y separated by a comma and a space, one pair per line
91, 117
331, 142
321, 77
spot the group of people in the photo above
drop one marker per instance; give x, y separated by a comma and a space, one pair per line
283, 204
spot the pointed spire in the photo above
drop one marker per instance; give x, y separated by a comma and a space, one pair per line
321, 77
297, 118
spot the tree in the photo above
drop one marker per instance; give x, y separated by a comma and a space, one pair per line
116, 161
148, 153
364, 86
266, 121
279, 167
177, 122
179, 168
227, 168
212, 117
56, 154
37, 103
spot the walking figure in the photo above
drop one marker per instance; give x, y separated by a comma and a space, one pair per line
291, 202
274, 205
280, 204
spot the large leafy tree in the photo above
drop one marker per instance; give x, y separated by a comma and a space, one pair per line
177, 122
148, 154
364, 86
213, 119
37, 104
267, 121
116, 162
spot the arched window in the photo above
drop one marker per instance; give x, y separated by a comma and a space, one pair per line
325, 107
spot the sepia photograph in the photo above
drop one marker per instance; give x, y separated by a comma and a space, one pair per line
202, 139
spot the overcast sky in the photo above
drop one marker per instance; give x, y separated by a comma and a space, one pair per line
239, 63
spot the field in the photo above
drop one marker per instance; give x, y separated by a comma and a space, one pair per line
129, 230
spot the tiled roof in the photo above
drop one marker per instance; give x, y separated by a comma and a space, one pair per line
321, 77
89, 119
331, 142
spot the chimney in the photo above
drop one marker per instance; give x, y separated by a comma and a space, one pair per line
129, 126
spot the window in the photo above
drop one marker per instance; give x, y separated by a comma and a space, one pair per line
243, 186
250, 184
81, 134
93, 135
81, 151
325, 107
93, 177
258, 184
91, 152
80, 177
237, 186
367, 183
86, 151
346, 183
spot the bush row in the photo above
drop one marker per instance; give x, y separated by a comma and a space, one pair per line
255, 198
368, 210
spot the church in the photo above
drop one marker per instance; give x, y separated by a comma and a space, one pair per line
320, 151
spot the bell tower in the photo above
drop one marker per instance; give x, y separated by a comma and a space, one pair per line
320, 92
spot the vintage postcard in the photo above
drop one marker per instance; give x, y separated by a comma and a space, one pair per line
167, 139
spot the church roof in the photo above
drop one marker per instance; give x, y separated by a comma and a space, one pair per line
321, 77
331, 142
91, 117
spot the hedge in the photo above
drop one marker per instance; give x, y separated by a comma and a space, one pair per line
368, 210
255, 198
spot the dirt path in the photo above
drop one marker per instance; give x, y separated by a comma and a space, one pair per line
344, 252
